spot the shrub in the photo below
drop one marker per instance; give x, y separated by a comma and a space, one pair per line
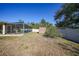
51, 31
0, 31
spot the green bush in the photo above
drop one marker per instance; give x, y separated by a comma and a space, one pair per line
51, 31
0, 31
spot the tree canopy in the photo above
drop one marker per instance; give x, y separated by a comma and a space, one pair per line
68, 15
43, 23
34, 25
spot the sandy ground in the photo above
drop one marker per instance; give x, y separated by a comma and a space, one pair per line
35, 44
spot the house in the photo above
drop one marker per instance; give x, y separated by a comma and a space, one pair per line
7, 28
42, 29
18, 28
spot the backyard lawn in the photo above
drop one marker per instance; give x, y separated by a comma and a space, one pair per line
37, 45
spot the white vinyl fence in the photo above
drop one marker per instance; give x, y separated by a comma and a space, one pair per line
72, 34
35, 30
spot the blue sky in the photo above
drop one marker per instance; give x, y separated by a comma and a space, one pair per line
29, 12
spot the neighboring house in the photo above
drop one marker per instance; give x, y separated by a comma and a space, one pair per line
18, 27
42, 29
6, 28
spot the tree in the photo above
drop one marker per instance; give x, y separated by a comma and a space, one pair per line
67, 15
34, 25
43, 23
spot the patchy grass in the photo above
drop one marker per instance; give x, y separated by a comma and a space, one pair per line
38, 45
7, 37
23, 46
71, 48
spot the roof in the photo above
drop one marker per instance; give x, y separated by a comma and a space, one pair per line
1, 23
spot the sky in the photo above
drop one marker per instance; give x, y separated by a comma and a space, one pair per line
28, 12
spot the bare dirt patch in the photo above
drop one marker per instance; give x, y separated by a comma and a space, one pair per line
35, 44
